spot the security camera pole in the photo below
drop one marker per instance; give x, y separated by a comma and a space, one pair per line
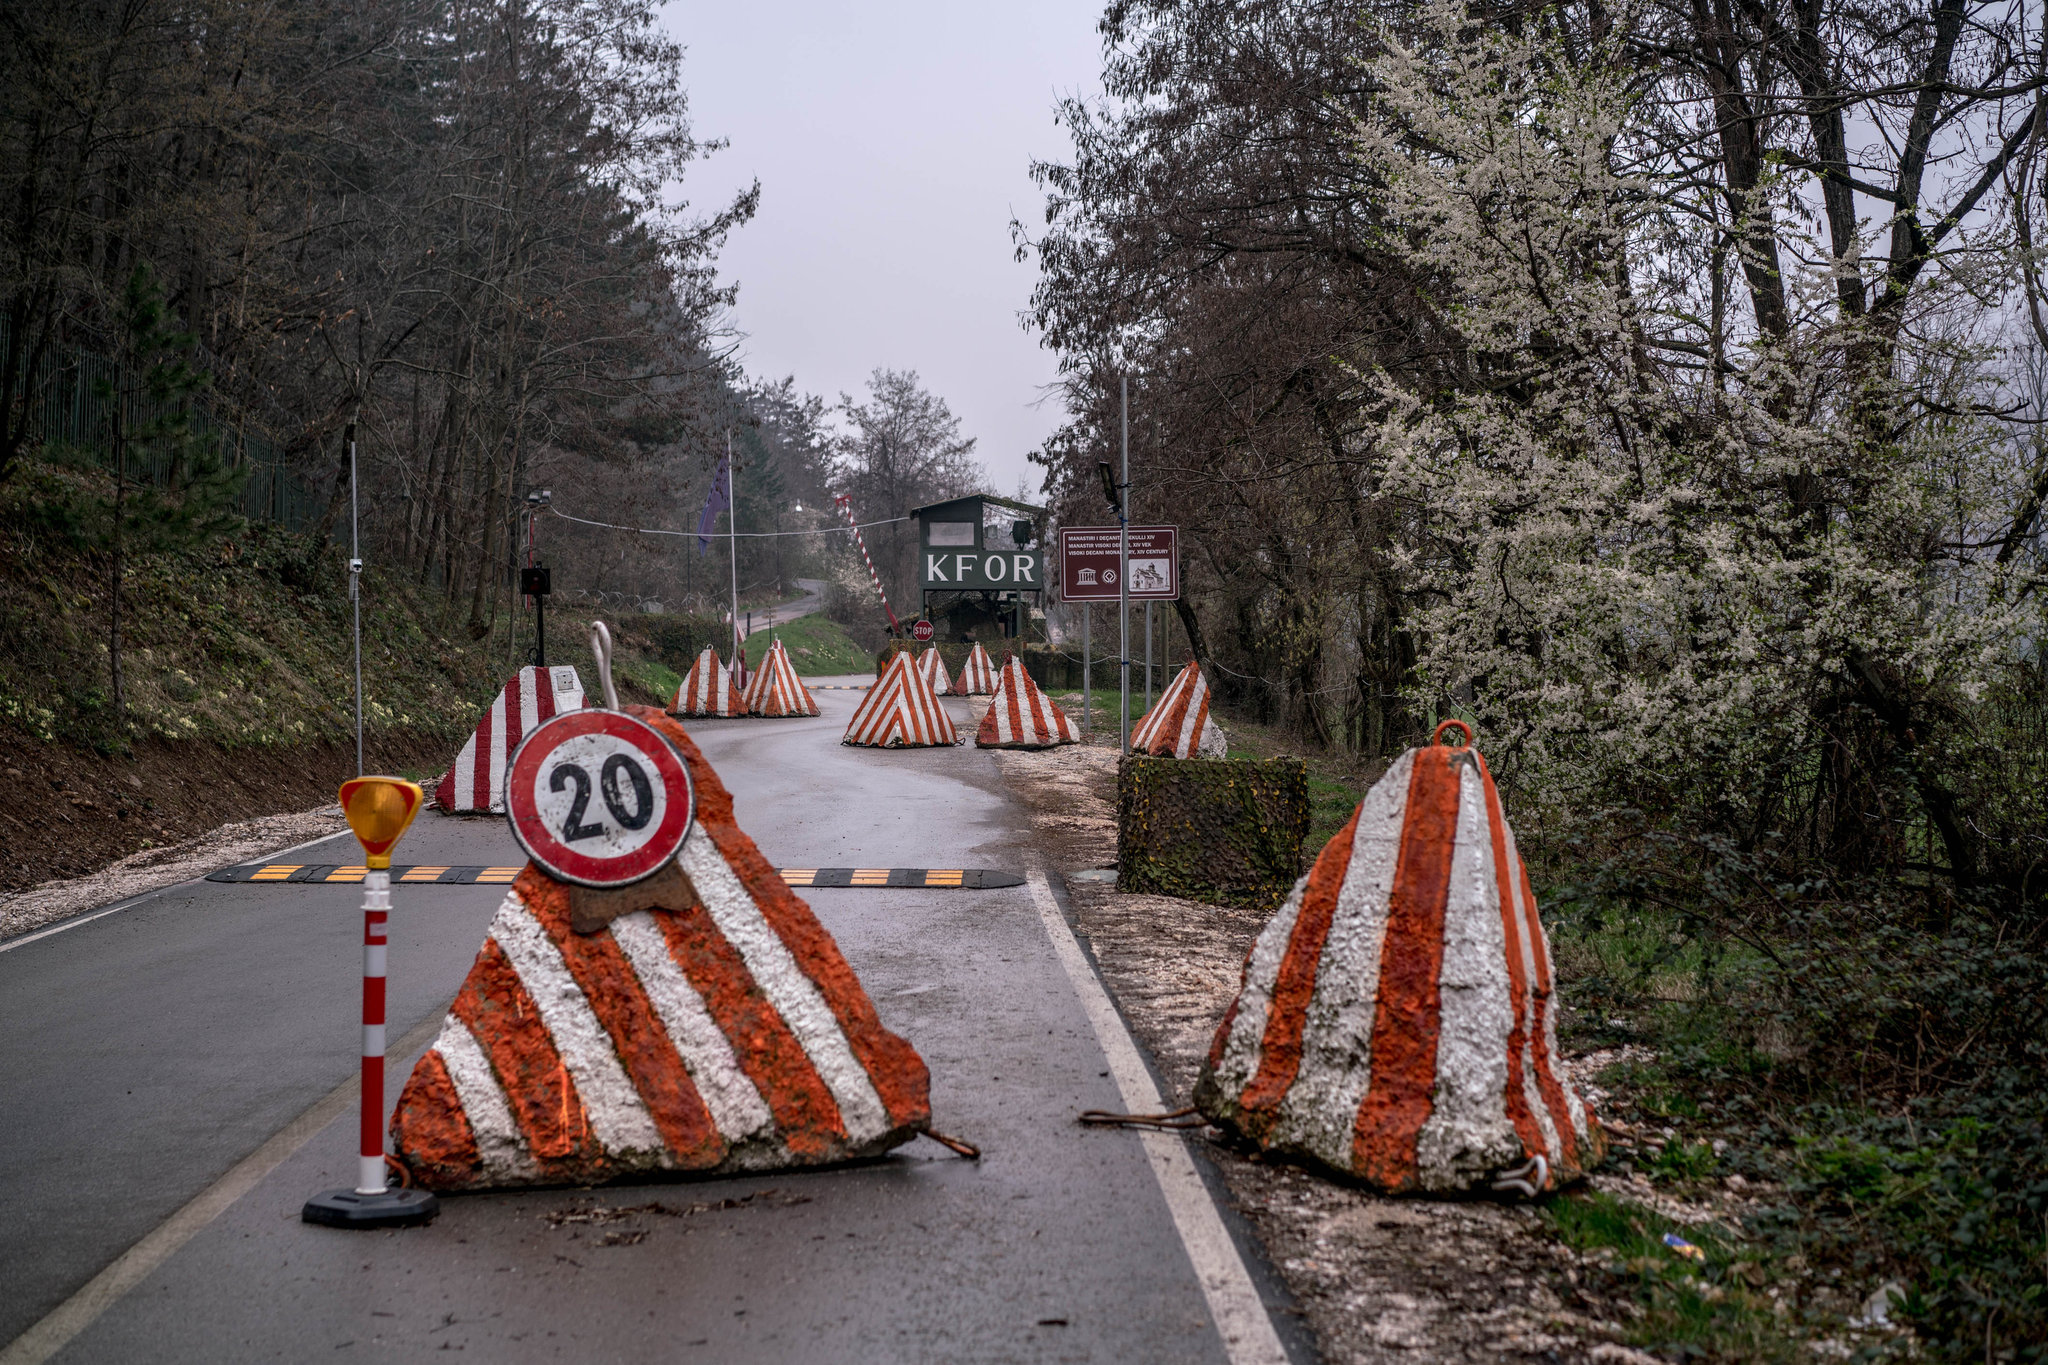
534, 580
355, 585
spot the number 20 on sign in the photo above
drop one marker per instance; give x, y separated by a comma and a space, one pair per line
599, 798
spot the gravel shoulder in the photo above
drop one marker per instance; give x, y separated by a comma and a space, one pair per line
154, 868
1377, 1279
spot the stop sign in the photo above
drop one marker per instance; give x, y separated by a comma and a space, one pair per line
921, 631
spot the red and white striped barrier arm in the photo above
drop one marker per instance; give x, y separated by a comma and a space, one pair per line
845, 504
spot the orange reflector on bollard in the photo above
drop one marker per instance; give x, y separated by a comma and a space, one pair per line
379, 809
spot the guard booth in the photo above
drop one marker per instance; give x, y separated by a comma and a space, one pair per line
980, 562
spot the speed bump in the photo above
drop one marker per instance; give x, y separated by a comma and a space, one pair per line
930, 878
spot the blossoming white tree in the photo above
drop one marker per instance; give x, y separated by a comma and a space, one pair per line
1714, 569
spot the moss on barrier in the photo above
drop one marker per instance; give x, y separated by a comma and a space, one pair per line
1228, 833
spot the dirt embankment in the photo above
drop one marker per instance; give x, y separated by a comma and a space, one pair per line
1377, 1279
66, 812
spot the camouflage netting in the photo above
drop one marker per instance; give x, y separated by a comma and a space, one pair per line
1228, 833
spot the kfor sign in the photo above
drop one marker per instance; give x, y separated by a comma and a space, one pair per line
1089, 563
1006, 570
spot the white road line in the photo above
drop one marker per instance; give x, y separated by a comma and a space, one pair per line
64, 1322
1241, 1320
89, 916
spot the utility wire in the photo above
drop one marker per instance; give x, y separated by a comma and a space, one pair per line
744, 535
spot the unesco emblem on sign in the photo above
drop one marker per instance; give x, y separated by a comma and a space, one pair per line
598, 798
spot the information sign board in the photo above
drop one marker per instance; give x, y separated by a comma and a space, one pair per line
1089, 563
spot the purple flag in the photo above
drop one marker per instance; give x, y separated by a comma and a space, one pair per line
720, 500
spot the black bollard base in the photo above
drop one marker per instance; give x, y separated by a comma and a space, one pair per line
385, 1209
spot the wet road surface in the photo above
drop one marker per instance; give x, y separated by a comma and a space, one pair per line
146, 1053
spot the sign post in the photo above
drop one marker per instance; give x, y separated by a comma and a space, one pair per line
378, 810
1123, 577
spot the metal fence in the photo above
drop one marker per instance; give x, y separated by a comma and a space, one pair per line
70, 410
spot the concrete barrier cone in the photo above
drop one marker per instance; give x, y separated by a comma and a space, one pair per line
475, 783
1021, 716
900, 712
932, 669
699, 1021
707, 690
1179, 725
776, 690
977, 676
1396, 1023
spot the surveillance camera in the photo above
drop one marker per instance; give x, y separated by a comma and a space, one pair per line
540, 497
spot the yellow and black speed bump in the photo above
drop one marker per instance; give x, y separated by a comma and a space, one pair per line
963, 878
933, 878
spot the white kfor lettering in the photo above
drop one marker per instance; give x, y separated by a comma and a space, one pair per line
963, 565
932, 569
993, 568
1025, 566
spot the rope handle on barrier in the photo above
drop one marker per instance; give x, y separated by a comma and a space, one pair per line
601, 646
953, 1144
1178, 1119
1438, 736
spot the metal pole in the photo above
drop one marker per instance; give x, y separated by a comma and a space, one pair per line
1148, 655
1087, 665
355, 599
732, 526
1123, 579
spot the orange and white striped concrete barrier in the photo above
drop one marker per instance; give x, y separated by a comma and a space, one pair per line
932, 669
706, 690
728, 1035
1021, 716
977, 676
1179, 725
776, 690
900, 712
1396, 1023
475, 782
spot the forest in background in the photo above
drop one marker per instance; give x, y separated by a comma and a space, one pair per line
1661, 387
459, 231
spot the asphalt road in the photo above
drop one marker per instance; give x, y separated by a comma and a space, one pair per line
813, 600
144, 1054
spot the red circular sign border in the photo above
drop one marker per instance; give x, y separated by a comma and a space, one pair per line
547, 851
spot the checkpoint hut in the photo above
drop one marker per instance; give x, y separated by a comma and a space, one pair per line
981, 562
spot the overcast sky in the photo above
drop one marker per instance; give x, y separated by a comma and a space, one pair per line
892, 142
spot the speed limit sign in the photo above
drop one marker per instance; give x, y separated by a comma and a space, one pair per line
598, 798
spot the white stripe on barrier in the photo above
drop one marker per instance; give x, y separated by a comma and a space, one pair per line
793, 995
736, 1105
1522, 949
1467, 1133
1336, 1038
1244, 1049
618, 1116
499, 1143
